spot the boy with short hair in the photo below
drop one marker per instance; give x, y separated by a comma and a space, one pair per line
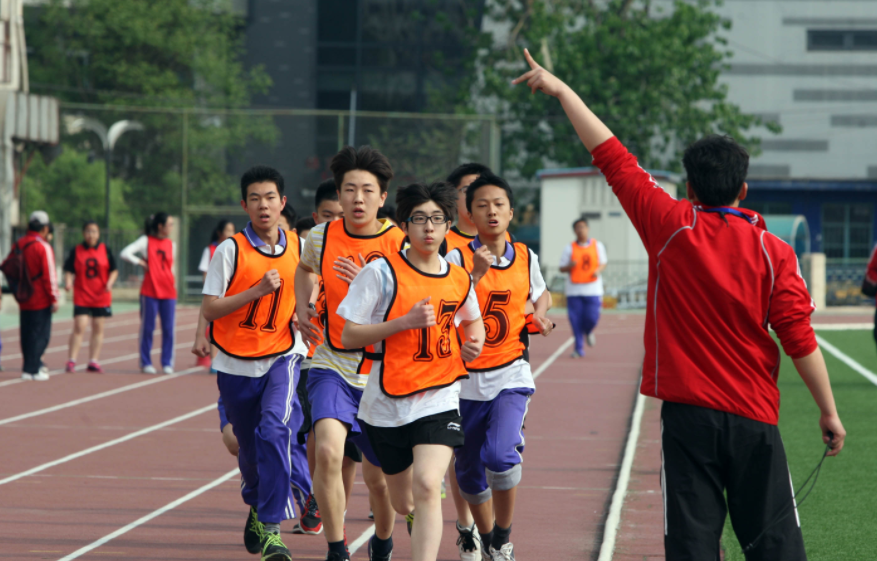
248, 300
337, 251
463, 231
584, 261
326, 205
494, 401
412, 304
717, 281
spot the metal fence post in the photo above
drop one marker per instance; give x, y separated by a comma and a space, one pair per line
183, 268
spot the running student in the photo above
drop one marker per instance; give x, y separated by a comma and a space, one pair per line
464, 230
709, 353
90, 271
248, 300
326, 205
584, 260
337, 251
156, 253
412, 303
494, 401
288, 218
223, 230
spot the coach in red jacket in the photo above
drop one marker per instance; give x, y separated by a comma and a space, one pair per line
36, 311
717, 281
871, 276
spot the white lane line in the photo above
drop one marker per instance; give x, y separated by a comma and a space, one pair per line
154, 514
99, 447
82, 367
361, 540
843, 357
610, 531
553, 357
68, 331
843, 326
96, 396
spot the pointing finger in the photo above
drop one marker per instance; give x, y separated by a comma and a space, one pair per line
533, 64
526, 76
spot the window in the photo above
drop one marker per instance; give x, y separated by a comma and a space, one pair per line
842, 39
846, 230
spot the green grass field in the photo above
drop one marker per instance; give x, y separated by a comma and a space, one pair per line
839, 518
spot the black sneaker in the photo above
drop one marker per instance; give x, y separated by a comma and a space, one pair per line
333, 556
273, 548
253, 532
372, 557
310, 522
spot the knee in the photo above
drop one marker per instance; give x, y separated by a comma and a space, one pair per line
376, 483
328, 458
425, 489
402, 504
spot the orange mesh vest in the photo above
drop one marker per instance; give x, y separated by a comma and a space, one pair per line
262, 328
457, 239
338, 243
418, 360
586, 262
502, 294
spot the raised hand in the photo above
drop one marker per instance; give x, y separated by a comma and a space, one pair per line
545, 325
538, 78
481, 262
348, 268
310, 334
471, 349
421, 315
269, 283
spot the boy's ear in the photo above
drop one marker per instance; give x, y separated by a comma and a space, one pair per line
689, 192
743, 191
244, 205
384, 197
404, 226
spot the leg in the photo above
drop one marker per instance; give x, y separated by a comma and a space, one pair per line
148, 310
243, 407
328, 488
44, 333
429, 469
348, 477
399, 487
574, 309
464, 515
97, 338
80, 322
469, 467
167, 309
312, 453
379, 498
300, 477
692, 482
761, 497
27, 323
591, 314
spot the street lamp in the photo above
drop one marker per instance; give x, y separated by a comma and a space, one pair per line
108, 139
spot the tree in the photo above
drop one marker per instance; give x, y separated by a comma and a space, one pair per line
164, 55
652, 77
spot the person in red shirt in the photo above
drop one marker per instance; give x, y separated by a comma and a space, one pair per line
155, 252
871, 278
36, 312
90, 271
717, 282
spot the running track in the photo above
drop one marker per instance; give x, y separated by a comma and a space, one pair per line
129, 466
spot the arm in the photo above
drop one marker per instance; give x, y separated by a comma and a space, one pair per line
566, 262
214, 307
356, 336
69, 270
201, 347
475, 335
68, 281
131, 251
305, 280
812, 370
111, 280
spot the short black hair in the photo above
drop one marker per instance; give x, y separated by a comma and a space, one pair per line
456, 176
488, 179
327, 191
716, 167
364, 158
261, 174
88, 223
305, 224
441, 193
387, 211
218, 230
289, 213
580, 219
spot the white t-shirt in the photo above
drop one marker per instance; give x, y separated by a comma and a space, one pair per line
484, 386
587, 288
218, 277
139, 249
204, 264
366, 303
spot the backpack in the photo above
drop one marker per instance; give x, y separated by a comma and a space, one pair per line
15, 270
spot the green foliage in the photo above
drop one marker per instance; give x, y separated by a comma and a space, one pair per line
161, 54
652, 77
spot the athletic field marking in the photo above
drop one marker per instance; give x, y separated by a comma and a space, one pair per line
610, 532
544, 366
843, 326
840, 355
361, 540
154, 514
98, 396
99, 447
86, 343
82, 367
107, 325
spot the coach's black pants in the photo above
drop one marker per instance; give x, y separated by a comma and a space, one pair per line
708, 452
36, 329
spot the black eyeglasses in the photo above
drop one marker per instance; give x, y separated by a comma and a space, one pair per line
435, 219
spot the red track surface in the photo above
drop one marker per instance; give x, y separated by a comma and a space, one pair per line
576, 431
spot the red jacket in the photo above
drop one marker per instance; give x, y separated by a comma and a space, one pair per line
714, 288
871, 270
39, 259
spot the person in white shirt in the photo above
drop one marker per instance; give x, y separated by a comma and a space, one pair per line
584, 260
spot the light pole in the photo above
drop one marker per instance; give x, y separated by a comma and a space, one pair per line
108, 139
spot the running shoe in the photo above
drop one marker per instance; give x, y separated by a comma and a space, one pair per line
273, 548
94, 366
38, 377
253, 532
168, 370
409, 521
373, 557
591, 339
505, 553
70, 368
43, 369
444, 490
148, 369
310, 522
469, 543
371, 514
333, 556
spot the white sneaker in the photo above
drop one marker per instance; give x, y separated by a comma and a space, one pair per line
168, 369
44, 369
26, 376
469, 543
505, 553
149, 369
40, 376
591, 339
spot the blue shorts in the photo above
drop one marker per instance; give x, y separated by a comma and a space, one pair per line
332, 397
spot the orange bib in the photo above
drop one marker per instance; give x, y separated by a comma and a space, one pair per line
262, 328
423, 359
338, 243
587, 260
502, 294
